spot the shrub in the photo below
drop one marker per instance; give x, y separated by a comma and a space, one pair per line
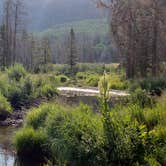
154, 85
117, 82
17, 72
5, 107
4, 84
142, 98
47, 91
63, 78
92, 80
150, 161
20, 94
137, 134
45, 85
36, 118
81, 75
31, 144
77, 137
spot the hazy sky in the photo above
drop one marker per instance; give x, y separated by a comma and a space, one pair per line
46, 13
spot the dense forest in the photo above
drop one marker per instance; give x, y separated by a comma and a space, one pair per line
84, 84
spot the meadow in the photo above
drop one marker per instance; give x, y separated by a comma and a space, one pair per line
132, 133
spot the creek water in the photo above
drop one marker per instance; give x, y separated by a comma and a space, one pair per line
7, 157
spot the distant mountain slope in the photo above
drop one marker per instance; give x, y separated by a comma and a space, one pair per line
43, 14
46, 13
87, 26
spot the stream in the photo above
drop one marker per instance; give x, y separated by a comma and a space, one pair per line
7, 157
68, 95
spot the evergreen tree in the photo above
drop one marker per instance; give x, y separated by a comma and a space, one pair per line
2, 47
46, 51
72, 54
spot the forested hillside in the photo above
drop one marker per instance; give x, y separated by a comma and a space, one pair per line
89, 27
43, 14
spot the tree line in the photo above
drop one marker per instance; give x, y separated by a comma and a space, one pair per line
139, 31
137, 39
18, 45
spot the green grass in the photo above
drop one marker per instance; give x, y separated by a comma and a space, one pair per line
5, 107
31, 144
77, 135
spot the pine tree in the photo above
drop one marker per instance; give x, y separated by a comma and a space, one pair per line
32, 52
2, 47
72, 54
46, 51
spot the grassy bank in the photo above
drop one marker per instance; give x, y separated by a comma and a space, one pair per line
76, 136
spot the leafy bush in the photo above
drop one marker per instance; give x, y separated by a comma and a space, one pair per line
136, 134
142, 98
31, 144
17, 72
20, 94
92, 80
36, 118
81, 75
117, 82
5, 107
47, 90
4, 83
77, 137
154, 85
62, 78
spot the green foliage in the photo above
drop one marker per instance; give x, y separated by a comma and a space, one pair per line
45, 85
142, 98
17, 72
62, 78
154, 85
74, 136
90, 27
47, 91
117, 82
92, 80
37, 117
77, 137
4, 83
21, 93
134, 129
81, 75
31, 144
21, 88
5, 107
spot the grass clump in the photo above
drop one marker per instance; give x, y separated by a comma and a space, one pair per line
5, 107
37, 117
75, 135
16, 72
31, 144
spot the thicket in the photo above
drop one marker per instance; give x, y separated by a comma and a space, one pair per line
20, 88
126, 135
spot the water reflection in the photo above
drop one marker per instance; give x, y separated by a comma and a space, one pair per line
6, 158
6, 155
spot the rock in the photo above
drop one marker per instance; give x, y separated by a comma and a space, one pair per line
3, 115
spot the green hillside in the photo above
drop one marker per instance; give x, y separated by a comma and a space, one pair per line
90, 27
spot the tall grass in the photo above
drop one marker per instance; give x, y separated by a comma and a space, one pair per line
76, 135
